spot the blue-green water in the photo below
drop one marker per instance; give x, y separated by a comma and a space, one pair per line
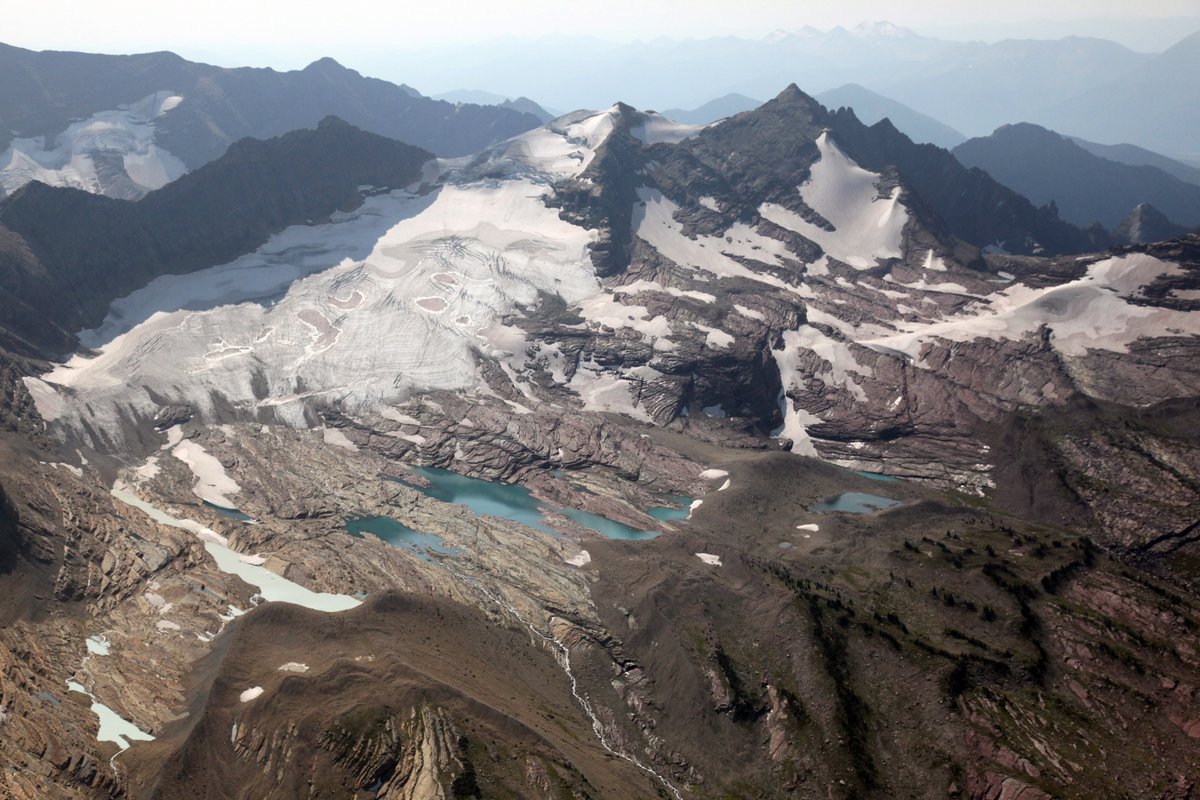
232, 513
605, 526
855, 503
400, 535
680, 507
876, 476
514, 502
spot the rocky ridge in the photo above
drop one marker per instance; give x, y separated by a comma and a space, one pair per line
126, 125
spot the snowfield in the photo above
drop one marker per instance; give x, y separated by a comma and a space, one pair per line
408, 292
353, 332
867, 226
70, 157
1091, 313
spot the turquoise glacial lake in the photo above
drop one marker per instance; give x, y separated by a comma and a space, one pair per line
855, 503
514, 502
400, 535
875, 476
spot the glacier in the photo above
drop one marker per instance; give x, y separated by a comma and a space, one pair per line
72, 157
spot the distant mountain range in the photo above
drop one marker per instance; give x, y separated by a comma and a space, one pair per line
1086, 188
1155, 105
124, 125
1137, 156
1080, 86
714, 110
127, 125
871, 107
479, 97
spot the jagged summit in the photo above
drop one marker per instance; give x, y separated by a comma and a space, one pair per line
871, 107
793, 95
776, 143
1146, 224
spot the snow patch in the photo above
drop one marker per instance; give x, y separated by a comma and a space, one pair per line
601, 390
750, 312
252, 693
867, 227
46, 399
654, 223
580, 559
650, 286
148, 470
922, 285
335, 438
98, 645
395, 416
842, 365
934, 263
605, 309
1090, 313
715, 338
212, 484
709, 558
113, 728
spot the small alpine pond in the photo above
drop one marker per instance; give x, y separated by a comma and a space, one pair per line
854, 503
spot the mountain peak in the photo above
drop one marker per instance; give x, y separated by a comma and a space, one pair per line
793, 94
1024, 129
332, 122
793, 101
1147, 224
326, 64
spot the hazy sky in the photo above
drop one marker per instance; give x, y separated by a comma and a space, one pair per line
287, 34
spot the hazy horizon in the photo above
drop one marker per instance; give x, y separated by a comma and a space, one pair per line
659, 58
289, 36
